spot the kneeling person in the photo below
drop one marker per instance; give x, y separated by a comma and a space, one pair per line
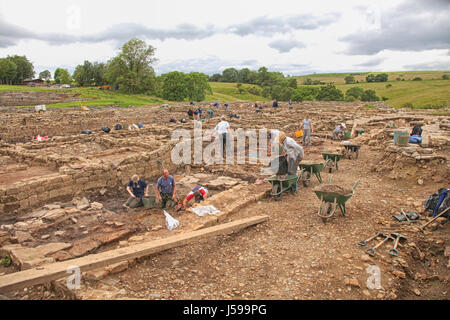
137, 189
199, 193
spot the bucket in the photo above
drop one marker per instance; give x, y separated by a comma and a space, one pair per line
403, 140
148, 203
347, 134
399, 133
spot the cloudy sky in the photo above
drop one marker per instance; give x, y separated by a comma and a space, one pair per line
292, 36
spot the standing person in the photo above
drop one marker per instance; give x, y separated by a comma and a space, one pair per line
290, 103
166, 188
224, 131
200, 111
307, 130
293, 151
137, 189
275, 103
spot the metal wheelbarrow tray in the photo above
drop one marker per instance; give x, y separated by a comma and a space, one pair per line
309, 169
282, 184
333, 158
351, 151
330, 201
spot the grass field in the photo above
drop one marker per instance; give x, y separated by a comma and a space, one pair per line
430, 91
338, 78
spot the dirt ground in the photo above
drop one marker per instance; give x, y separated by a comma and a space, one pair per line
295, 254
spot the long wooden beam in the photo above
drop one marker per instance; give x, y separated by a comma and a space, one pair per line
58, 270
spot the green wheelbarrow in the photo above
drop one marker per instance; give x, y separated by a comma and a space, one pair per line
333, 158
282, 184
309, 169
330, 201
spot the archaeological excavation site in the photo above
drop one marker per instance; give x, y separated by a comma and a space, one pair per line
63, 190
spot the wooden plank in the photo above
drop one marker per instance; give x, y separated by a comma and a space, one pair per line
58, 270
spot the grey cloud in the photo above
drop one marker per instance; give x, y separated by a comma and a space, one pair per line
371, 63
412, 26
11, 34
432, 65
286, 45
267, 26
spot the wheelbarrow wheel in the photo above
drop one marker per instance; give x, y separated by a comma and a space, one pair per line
306, 178
276, 188
294, 188
325, 211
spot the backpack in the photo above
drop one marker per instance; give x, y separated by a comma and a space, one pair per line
118, 127
417, 131
415, 139
106, 129
86, 132
433, 201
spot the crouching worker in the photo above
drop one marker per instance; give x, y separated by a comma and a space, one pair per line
293, 151
338, 132
166, 188
137, 189
200, 193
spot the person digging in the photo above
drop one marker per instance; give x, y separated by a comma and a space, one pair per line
137, 188
292, 150
166, 188
199, 193
338, 132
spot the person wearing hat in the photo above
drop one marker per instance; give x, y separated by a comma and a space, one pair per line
338, 132
292, 150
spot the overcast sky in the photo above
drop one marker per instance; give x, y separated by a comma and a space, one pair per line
292, 36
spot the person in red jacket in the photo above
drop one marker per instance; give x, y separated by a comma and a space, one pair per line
199, 193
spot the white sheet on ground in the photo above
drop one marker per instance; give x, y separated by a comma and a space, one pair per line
202, 210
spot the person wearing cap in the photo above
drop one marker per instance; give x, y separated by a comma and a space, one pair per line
292, 150
339, 131
200, 193
137, 189
224, 131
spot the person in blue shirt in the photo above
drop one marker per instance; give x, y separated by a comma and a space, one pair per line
226, 106
211, 113
166, 188
275, 103
200, 111
290, 103
137, 189
216, 104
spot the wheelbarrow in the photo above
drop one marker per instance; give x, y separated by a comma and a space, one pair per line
309, 169
282, 184
333, 158
330, 201
351, 151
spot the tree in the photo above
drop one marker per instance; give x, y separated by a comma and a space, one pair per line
8, 70
349, 79
370, 78
445, 77
254, 90
292, 83
45, 75
244, 75
382, 77
305, 94
197, 86
131, 70
240, 88
24, 68
330, 93
417, 79
229, 75
62, 76
215, 77
355, 92
369, 95
175, 86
